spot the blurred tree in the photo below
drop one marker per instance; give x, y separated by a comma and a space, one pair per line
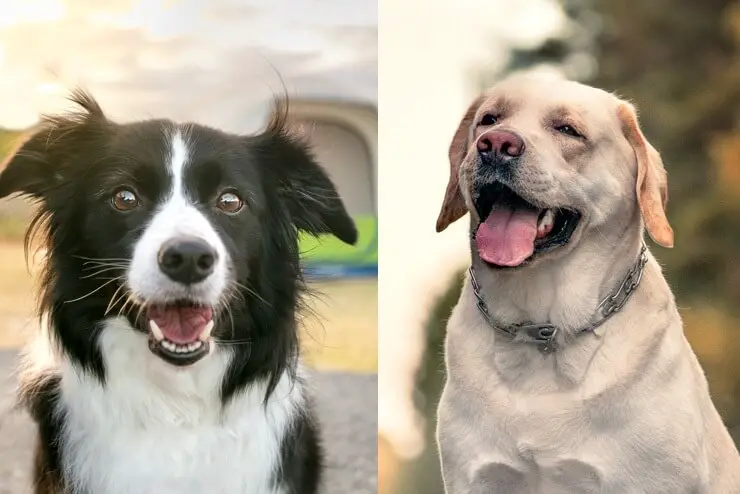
570, 49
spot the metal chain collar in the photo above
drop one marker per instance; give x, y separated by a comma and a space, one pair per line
545, 335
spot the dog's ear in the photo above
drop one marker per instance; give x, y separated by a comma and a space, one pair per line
26, 170
306, 189
39, 161
453, 206
652, 179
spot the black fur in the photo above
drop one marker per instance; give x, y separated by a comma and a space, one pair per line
72, 165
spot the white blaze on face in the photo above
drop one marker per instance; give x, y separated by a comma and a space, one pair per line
176, 217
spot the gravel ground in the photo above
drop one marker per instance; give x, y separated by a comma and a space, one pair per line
347, 405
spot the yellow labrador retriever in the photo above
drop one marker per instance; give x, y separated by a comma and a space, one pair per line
568, 369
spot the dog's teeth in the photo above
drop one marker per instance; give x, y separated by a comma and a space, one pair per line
167, 345
206, 331
156, 332
545, 222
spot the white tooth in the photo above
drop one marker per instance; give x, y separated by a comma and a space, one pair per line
167, 345
156, 331
206, 331
181, 349
546, 220
197, 345
192, 347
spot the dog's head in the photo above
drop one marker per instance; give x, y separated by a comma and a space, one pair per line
541, 163
187, 231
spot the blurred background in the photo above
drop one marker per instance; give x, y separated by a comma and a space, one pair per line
219, 63
678, 60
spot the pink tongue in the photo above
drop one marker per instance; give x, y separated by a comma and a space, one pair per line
181, 324
506, 238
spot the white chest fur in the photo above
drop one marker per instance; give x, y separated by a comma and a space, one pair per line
157, 429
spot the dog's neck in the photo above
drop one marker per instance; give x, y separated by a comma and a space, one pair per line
548, 292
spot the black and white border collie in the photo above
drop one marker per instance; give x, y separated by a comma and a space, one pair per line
170, 287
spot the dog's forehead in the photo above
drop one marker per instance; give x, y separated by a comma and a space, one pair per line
545, 94
152, 141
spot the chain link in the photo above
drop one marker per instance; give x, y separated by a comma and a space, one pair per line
545, 334
614, 302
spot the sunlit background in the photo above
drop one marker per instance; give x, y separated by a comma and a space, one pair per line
218, 63
677, 60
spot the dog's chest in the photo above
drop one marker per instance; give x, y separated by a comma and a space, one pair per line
578, 449
126, 460
157, 430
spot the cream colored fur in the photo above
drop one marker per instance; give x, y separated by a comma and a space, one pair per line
626, 410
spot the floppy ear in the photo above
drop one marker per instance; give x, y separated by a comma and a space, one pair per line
453, 206
652, 179
26, 170
38, 162
311, 198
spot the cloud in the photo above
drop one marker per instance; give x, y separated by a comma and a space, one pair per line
212, 61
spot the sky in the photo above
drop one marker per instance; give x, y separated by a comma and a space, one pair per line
208, 60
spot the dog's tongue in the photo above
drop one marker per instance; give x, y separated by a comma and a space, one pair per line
181, 324
506, 238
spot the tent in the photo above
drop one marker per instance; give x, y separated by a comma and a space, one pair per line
344, 136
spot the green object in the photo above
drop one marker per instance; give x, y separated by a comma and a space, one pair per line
329, 249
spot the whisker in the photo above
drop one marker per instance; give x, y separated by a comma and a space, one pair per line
91, 292
114, 300
104, 259
99, 272
252, 293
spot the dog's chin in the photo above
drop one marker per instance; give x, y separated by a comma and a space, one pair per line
513, 233
179, 332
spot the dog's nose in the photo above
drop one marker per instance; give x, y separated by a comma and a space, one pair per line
187, 260
503, 143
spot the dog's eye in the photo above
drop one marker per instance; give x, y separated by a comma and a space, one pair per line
125, 200
568, 130
229, 202
488, 119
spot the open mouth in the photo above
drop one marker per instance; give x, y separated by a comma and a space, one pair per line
180, 332
513, 231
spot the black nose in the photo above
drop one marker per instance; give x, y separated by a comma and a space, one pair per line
187, 260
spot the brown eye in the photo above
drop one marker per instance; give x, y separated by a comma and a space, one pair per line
488, 119
229, 202
125, 200
568, 130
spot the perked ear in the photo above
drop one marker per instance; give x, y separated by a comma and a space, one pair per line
309, 194
652, 179
38, 163
453, 206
